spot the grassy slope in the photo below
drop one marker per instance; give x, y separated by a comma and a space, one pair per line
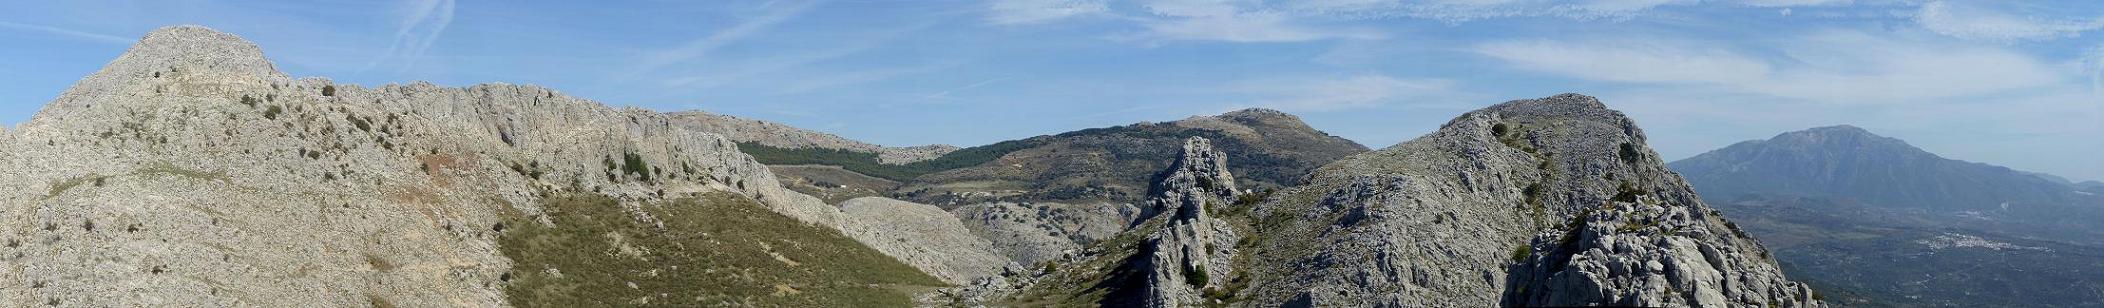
713, 250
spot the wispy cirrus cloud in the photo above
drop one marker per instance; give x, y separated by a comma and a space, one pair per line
1466, 10
421, 23
1344, 92
1015, 12
1632, 61
700, 47
1992, 21
1234, 21
76, 34
945, 94
1831, 66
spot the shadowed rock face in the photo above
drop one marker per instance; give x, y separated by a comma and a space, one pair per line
1849, 162
189, 172
1552, 201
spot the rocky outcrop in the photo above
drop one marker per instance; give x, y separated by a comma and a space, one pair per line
923, 236
190, 172
1541, 202
1191, 246
788, 137
1031, 233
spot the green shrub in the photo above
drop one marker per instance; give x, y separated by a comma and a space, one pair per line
1521, 253
1196, 276
1629, 153
328, 90
272, 112
634, 164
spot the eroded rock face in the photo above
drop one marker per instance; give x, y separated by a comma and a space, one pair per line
1192, 246
189, 172
1030, 233
1553, 201
923, 236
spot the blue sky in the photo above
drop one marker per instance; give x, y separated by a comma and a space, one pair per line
2002, 82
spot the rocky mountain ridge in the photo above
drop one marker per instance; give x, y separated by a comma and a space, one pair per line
1540, 202
1115, 164
784, 136
190, 172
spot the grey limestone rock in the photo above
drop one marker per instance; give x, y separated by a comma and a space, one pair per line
190, 172
1191, 246
923, 236
1541, 202
1031, 233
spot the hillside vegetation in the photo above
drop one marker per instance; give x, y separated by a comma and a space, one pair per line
867, 163
717, 249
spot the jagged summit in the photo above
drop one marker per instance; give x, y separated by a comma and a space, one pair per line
191, 48
1554, 201
201, 59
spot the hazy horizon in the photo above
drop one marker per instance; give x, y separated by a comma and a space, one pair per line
2012, 84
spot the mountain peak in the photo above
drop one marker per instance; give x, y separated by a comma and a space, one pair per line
191, 49
175, 58
1255, 112
1846, 138
1850, 161
1835, 131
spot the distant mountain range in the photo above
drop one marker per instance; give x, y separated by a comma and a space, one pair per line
1849, 162
1271, 149
1877, 222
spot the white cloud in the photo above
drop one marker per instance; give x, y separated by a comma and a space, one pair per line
1351, 92
1234, 21
1834, 66
1248, 28
1466, 10
700, 47
1014, 12
1980, 21
84, 35
422, 21
1791, 3
945, 94
1636, 61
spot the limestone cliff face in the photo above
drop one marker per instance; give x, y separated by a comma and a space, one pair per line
1541, 202
1191, 246
190, 172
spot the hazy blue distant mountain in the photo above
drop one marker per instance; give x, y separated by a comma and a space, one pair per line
1873, 221
1851, 163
